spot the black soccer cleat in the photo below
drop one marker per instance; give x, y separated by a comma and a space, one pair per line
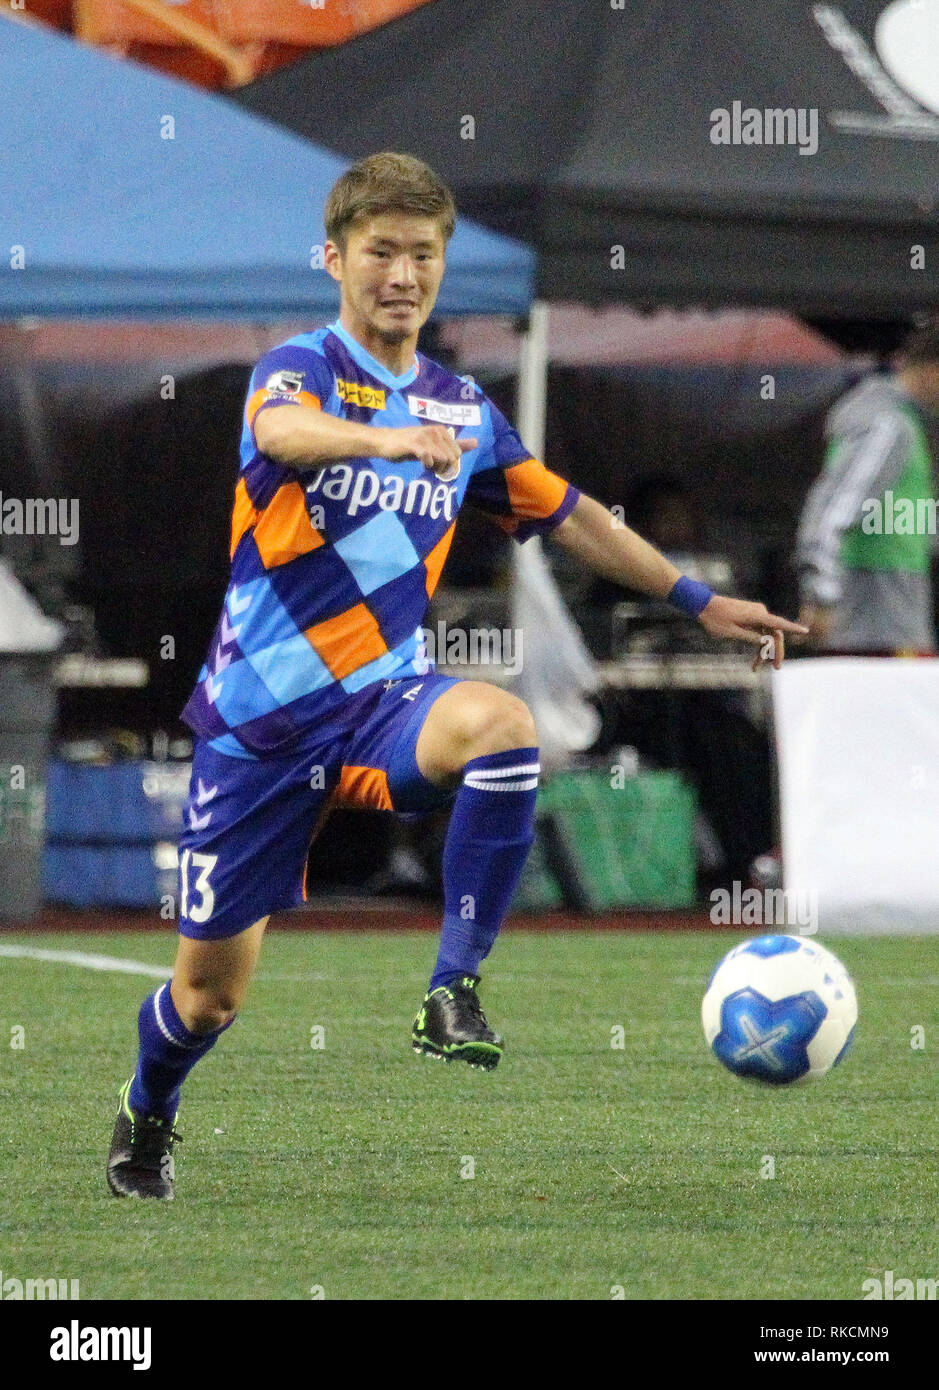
451, 1025
140, 1163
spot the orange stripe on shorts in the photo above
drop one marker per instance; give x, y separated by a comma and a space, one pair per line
364, 789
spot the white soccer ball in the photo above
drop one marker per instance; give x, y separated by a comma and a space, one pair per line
779, 1009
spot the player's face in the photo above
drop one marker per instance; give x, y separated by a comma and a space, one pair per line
390, 274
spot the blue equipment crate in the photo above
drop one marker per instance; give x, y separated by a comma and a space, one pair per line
109, 875
125, 803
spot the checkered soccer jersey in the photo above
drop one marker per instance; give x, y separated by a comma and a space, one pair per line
332, 569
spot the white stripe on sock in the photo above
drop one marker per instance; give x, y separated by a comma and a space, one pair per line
162, 1026
497, 787
493, 774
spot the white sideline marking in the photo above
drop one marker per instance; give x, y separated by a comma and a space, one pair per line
89, 962
127, 967
315, 975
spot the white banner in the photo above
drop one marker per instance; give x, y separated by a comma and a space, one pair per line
857, 744
23, 625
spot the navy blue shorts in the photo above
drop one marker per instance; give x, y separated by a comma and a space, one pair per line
250, 821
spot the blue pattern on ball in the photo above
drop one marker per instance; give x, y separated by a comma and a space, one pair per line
768, 1041
847, 1043
771, 946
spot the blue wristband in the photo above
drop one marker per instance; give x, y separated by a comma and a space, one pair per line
690, 597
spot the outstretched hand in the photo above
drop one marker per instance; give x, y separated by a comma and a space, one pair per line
752, 622
435, 446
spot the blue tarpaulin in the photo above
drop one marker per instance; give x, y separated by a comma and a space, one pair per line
125, 193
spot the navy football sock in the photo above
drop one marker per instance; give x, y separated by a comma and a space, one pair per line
490, 833
168, 1052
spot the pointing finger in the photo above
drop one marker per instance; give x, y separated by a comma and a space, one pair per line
781, 624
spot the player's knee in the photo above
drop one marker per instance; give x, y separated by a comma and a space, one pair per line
206, 1010
498, 725
209, 1017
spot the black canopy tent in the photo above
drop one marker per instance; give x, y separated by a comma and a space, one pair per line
784, 154
780, 154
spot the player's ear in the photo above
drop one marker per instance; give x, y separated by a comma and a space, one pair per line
332, 260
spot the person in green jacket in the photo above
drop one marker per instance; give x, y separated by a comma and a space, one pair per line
868, 525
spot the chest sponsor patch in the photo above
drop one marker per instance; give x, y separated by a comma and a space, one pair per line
355, 393
446, 412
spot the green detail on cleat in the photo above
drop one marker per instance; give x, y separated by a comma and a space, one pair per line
124, 1095
450, 1024
447, 1049
479, 1054
125, 1106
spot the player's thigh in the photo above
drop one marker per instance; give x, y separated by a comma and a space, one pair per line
211, 978
469, 720
243, 851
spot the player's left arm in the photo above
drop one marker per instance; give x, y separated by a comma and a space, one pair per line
602, 542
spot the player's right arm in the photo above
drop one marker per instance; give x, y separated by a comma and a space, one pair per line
303, 437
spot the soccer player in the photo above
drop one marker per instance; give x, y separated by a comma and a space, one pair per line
357, 453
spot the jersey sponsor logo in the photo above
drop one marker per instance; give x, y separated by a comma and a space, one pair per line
355, 393
286, 383
360, 488
446, 412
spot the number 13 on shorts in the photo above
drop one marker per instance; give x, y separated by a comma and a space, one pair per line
202, 866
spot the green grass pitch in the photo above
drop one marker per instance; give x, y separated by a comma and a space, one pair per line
596, 1168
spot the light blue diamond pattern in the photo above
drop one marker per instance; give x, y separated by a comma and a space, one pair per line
377, 552
375, 671
241, 696
261, 618
290, 669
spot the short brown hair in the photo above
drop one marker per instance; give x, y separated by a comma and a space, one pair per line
387, 182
